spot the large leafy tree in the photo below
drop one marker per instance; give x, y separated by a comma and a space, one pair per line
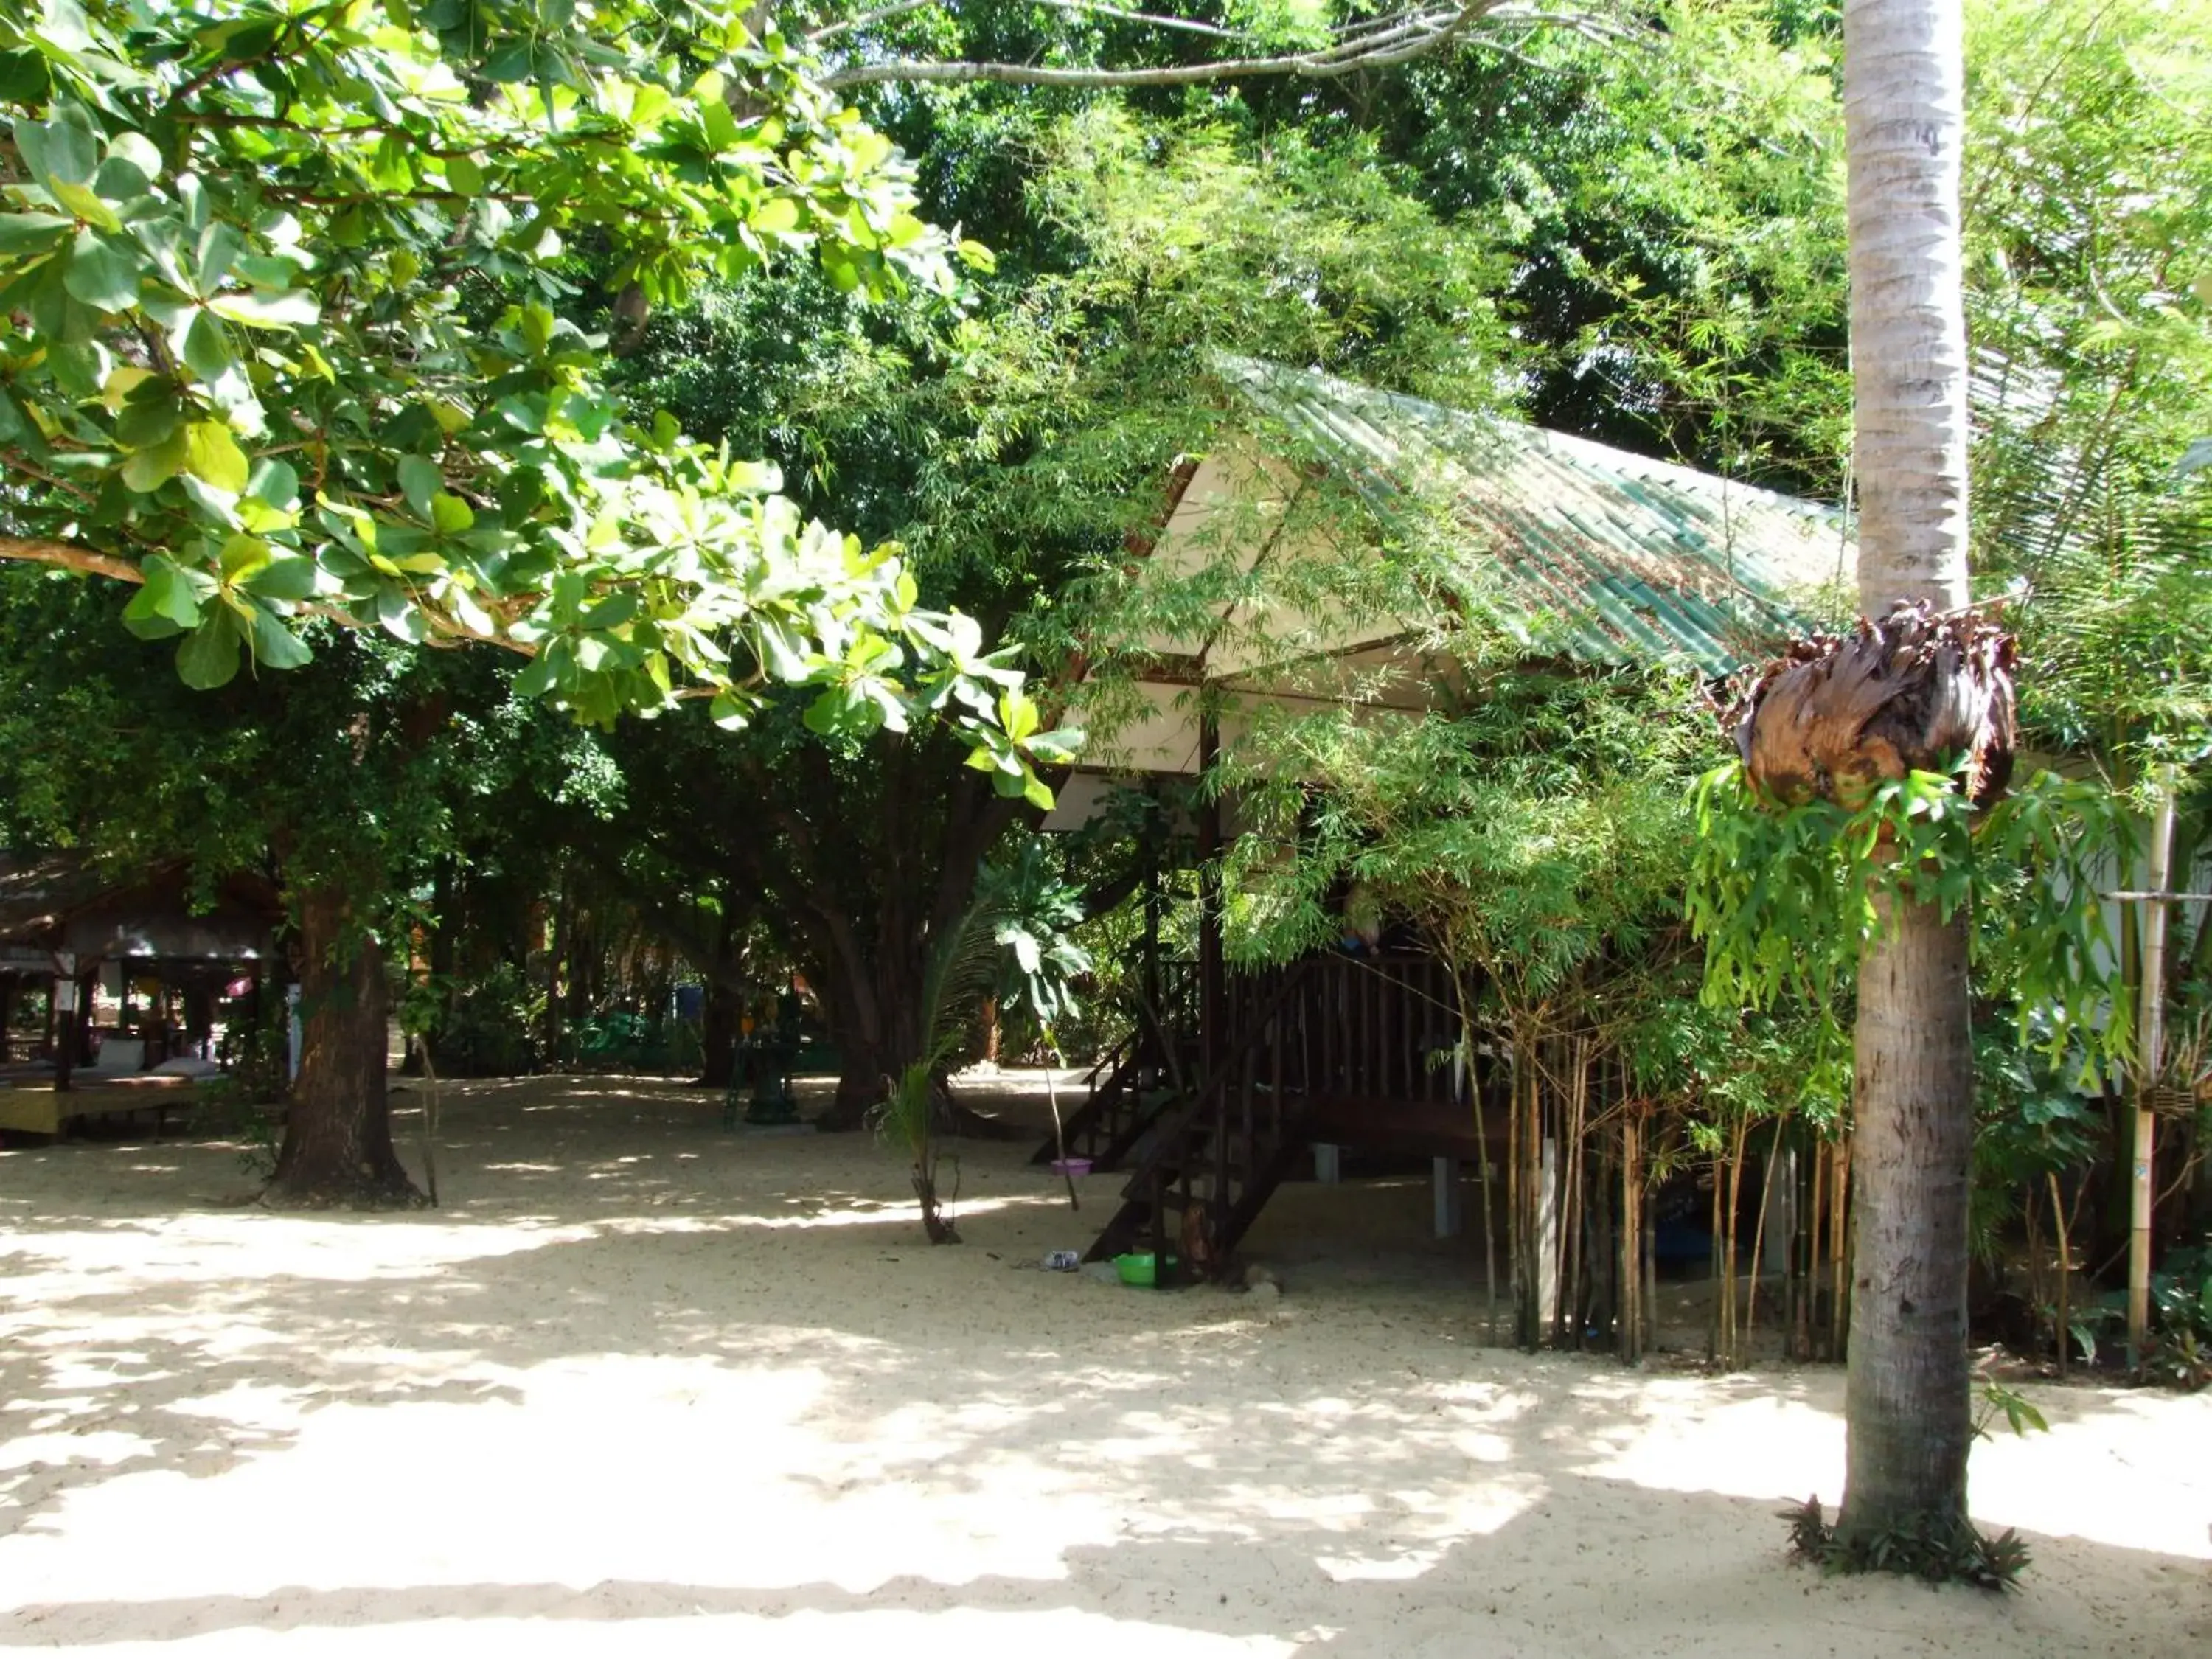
280, 342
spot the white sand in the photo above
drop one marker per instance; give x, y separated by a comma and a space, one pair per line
644, 1388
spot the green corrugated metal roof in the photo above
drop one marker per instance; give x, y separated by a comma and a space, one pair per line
1616, 557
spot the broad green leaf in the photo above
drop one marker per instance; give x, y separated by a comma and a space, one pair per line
242, 555
290, 308
205, 351
166, 599
1017, 715
776, 216
275, 645
24, 78
209, 656
450, 514
103, 274
419, 480
274, 482
400, 616
137, 150
32, 233
149, 419
147, 470
84, 202
62, 151
213, 457
287, 576
62, 25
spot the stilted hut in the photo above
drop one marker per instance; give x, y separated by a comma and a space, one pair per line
1233, 1081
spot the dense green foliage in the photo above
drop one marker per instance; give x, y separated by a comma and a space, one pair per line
285, 345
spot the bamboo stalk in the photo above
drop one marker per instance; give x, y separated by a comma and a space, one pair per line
1722, 1293
1515, 1255
1570, 1208
2065, 1320
2150, 1033
1630, 1334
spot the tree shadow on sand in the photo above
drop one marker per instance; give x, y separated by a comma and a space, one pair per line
686, 1335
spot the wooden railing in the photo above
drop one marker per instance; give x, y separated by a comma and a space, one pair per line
1334, 1046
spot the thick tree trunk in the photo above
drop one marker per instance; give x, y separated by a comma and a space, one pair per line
720, 1010
1908, 1409
878, 1033
337, 1131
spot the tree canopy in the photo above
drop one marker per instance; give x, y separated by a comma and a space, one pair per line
283, 344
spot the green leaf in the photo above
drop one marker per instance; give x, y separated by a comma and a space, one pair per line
101, 273
84, 202
59, 151
138, 152
145, 422
275, 645
242, 555
212, 456
1058, 747
274, 482
287, 308
209, 656
32, 233
64, 25
450, 514
400, 616
147, 470
419, 480
776, 216
288, 576
204, 349
1017, 715
463, 174
164, 604
24, 78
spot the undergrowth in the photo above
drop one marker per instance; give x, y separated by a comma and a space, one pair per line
1942, 1549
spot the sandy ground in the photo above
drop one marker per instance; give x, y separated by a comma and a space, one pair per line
642, 1387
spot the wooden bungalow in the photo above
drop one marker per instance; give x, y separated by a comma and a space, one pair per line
1589, 553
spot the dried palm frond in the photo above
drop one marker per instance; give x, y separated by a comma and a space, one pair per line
1917, 691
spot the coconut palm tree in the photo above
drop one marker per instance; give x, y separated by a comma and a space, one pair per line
1907, 1403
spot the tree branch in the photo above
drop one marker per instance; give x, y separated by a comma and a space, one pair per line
70, 555
1385, 43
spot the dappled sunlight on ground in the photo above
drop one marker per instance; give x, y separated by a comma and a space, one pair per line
642, 1385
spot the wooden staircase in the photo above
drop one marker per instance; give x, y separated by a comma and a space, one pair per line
1135, 1081
1217, 1154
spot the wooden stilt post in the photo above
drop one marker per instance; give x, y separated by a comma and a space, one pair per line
61, 1002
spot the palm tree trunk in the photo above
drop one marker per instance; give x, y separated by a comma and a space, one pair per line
1907, 1404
